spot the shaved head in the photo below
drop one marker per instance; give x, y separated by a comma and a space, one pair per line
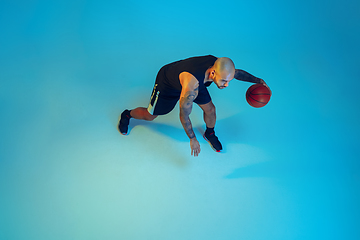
222, 72
225, 67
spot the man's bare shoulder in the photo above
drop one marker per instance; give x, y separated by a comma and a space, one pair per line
188, 81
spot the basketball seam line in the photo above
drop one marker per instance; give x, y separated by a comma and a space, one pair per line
257, 100
255, 88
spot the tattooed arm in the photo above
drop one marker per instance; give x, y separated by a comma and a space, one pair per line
186, 102
190, 90
246, 77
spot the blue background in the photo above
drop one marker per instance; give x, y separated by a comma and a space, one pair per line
289, 170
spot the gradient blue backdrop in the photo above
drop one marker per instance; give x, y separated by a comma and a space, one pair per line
290, 170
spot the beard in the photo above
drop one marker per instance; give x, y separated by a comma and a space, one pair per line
220, 86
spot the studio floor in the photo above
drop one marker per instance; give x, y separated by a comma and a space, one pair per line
289, 170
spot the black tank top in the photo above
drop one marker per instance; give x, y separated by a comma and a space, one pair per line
197, 66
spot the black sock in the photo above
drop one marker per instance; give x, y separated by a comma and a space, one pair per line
127, 113
209, 130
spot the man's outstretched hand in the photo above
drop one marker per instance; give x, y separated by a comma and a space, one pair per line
195, 147
264, 83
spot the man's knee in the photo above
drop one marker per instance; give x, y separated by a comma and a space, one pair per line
150, 117
209, 108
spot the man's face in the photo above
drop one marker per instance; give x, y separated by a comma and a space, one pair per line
222, 81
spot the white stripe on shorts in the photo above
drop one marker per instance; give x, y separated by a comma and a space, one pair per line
151, 108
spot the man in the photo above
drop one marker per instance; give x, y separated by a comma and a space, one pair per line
186, 80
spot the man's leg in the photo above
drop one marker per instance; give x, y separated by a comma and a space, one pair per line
142, 113
137, 113
210, 120
209, 114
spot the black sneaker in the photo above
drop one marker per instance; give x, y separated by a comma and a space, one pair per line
124, 122
213, 140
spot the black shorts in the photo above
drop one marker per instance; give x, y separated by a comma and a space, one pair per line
163, 101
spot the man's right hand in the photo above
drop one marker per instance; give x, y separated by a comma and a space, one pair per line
195, 147
264, 83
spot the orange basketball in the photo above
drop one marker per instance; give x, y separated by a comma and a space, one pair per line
258, 95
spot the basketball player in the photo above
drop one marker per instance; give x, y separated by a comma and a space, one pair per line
187, 80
